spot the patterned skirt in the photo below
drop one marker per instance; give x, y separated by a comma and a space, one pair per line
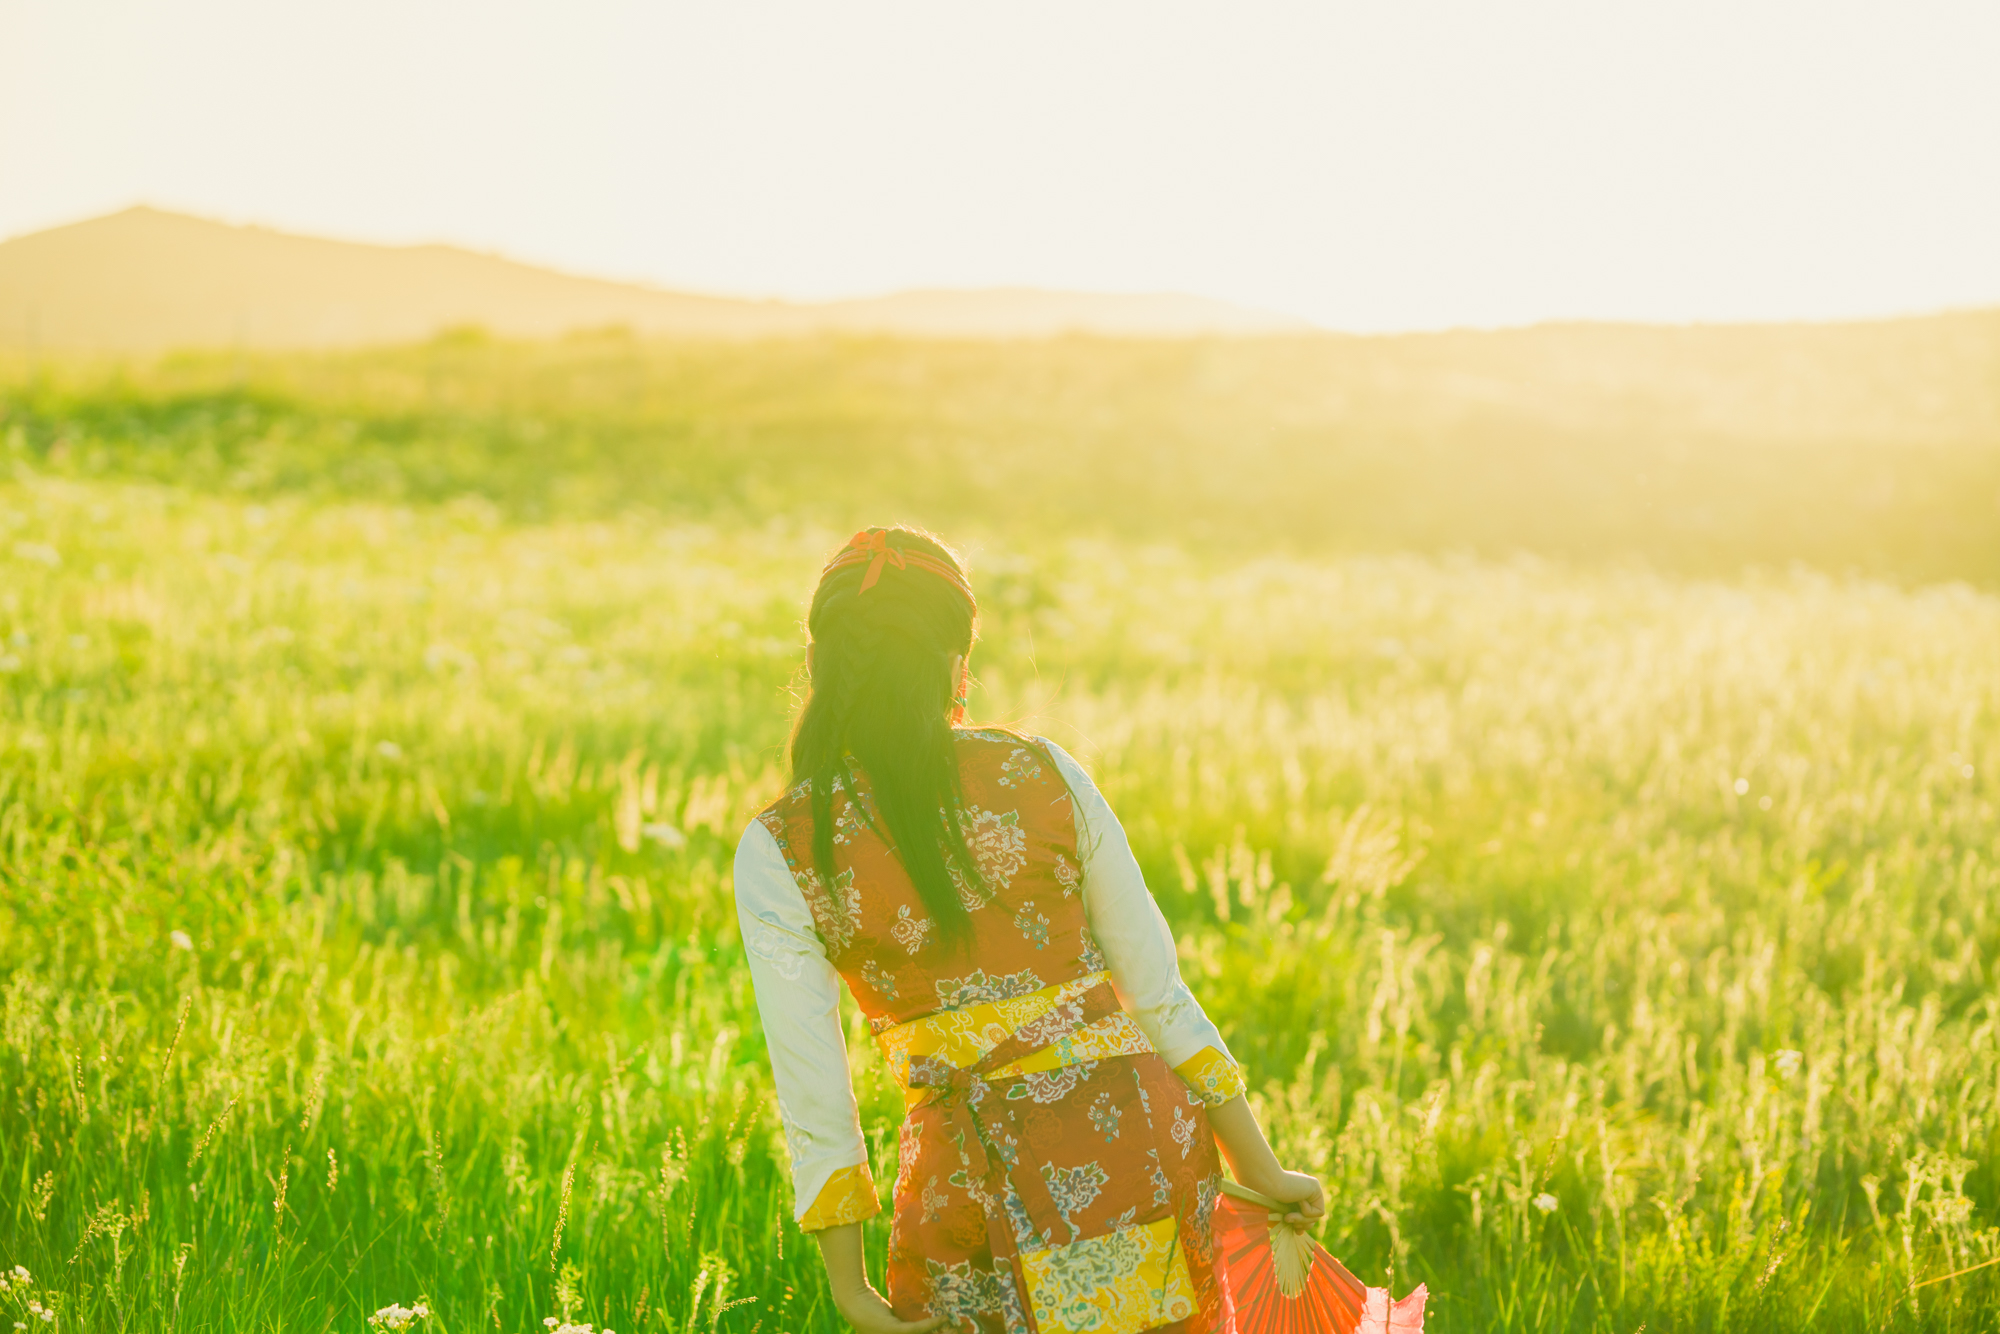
1073, 1199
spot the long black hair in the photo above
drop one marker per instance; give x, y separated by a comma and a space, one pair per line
883, 697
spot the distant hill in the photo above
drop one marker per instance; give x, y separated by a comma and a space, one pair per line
146, 280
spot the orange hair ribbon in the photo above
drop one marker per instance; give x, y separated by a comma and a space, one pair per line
873, 546
876, 544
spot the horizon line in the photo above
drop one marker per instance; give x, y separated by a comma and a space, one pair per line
1311, 325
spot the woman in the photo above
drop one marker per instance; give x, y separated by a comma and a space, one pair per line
1066, 1093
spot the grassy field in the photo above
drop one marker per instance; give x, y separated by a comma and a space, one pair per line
1868, 448
1619, 946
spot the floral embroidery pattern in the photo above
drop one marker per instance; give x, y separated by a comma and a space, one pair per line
1091, 960
910, 932
961, 1291
1183, 1131
933, 1199
1104, 1114
1018, 767
836, 909
878, 977
1034, 927
1047, 1085
848, 1197
780, 948
969, 894
1207, 1190
1163, 1189
1212, 1077
848, 824
976, 988
998, 844
1026, 1236
797, 1138
1073, 1188
1135, 1278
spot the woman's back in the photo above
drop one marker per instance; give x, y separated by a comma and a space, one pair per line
1029, 928
1046, 1137
1056, 1168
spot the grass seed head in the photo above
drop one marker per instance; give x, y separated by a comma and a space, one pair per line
562, 1215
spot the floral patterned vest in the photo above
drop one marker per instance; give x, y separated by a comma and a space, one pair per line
1029, 929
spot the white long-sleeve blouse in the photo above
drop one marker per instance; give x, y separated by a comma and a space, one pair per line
798, 990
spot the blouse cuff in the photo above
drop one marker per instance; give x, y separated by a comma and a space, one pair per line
1212, 1076
847, 1197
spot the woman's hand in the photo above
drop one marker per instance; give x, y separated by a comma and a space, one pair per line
858, 1303
1294, 1188
1242, 1142
868, 1313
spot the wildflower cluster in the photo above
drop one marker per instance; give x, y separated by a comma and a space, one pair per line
555, 1326
392, 1319
19, 1284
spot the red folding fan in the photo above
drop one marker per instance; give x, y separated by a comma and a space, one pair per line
1278, 1281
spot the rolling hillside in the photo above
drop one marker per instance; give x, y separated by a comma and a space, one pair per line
143, 280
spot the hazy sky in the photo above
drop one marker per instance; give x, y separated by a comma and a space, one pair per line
1388, 165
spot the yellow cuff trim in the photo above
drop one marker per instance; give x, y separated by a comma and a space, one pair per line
1214, 1078
847, 1197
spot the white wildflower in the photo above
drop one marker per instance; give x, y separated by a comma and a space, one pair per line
22, 1274
1546, 1202
1789, 1062
182, 940
388, 750
393, 1318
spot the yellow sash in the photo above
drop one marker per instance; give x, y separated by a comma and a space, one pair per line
962, 1038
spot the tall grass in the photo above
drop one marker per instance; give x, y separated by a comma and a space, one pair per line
1863, 447
1620, 949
